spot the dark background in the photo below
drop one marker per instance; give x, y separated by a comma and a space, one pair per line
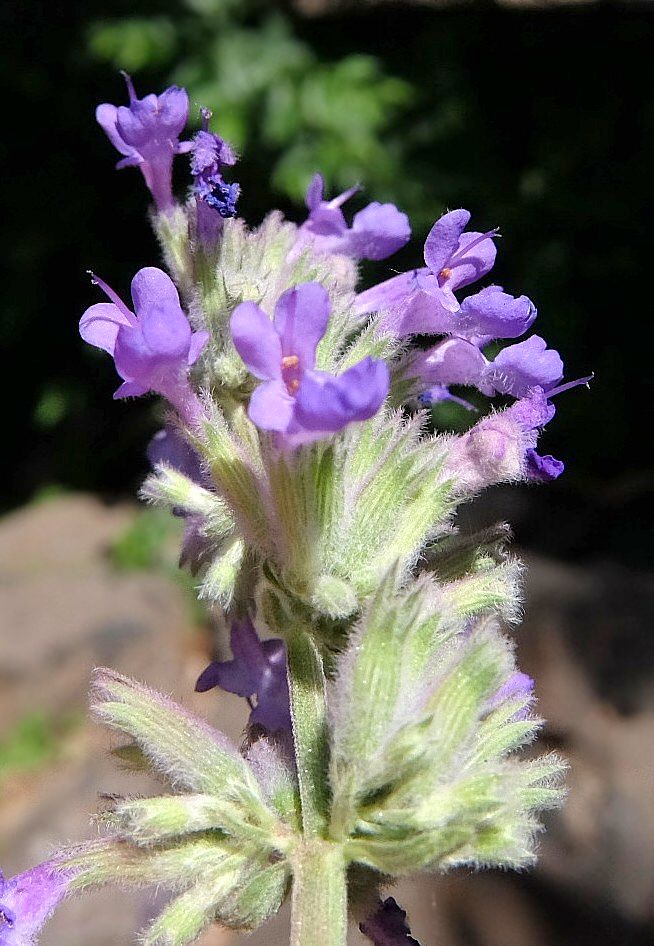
540, 121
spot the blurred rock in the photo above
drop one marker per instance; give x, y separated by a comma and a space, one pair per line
64, 609
587, 642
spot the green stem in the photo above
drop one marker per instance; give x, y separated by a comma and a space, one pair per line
319, 906
309, 710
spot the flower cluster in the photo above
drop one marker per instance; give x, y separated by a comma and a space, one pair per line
387, 709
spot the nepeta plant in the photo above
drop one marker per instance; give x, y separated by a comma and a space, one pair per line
387, 710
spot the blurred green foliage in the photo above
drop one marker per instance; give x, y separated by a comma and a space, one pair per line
152, 542
149, 543
34, 741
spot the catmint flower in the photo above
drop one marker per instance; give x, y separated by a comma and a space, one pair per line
377, 231
501, 446
519, 687
26, 902
493, 313
215, 199
495, 449
387, 926
147, 133
258, 669
152, 349
295, 400
453, 259
515, 370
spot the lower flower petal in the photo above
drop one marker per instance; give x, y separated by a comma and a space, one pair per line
271, 406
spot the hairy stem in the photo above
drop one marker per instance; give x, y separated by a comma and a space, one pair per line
319, 905
309, 711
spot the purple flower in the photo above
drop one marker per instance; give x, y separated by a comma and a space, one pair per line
425, 296
387, 926
147, 132
215, 199
518, 687
495, 449
153, 349
258, 669
458, 258
516, 370
298, 402
377, 231
26, 902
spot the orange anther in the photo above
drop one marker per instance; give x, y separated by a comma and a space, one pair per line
290, 361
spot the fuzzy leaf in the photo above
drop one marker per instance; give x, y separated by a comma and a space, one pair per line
183, 747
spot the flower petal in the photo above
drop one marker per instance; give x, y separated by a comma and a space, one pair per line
198, 341
172, 110
315, 191
130, 389
137, 122
271, 406
389, 294
301, 317
519, 368
542, 469
327, 403
497, 314
256, 341
28, 899
167, 333
378, 231
152, 288
443, 239
469, 266
453, 361
431, 310
99, 325
106, 116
